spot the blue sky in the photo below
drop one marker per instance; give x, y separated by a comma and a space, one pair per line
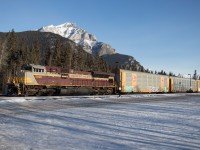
160, 34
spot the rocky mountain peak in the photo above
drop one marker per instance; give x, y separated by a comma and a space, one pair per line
79, 36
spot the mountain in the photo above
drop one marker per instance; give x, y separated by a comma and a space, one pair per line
27, 40
91, 45
80, 37
118, 59
46, 48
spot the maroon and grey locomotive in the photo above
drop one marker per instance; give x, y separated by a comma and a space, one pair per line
48, 80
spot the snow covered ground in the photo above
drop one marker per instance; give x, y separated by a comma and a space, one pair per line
103, 122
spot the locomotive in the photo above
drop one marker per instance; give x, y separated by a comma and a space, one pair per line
37, 80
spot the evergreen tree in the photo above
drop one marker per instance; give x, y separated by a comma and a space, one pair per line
48, 56
11, 50
142, 69
180, 76
102, 65
195, 75
89, 62
66, 57
36, 52
171, 74
74, 61
135, 68
23, 53
1, 53
28, 59
97, 63
80, 59
57, 53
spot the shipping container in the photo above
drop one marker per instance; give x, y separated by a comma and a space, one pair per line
133, 81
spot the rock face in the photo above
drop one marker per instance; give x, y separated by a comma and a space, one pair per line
91, 45
128, 62
102, 49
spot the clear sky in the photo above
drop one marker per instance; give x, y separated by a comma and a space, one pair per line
160, 34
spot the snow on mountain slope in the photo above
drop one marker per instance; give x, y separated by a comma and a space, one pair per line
81, 37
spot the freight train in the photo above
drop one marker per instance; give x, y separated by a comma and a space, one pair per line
37, 80
140, 82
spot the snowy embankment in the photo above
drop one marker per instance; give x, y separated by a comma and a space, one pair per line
105, 97
141, 121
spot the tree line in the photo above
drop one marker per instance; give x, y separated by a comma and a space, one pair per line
17, 51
